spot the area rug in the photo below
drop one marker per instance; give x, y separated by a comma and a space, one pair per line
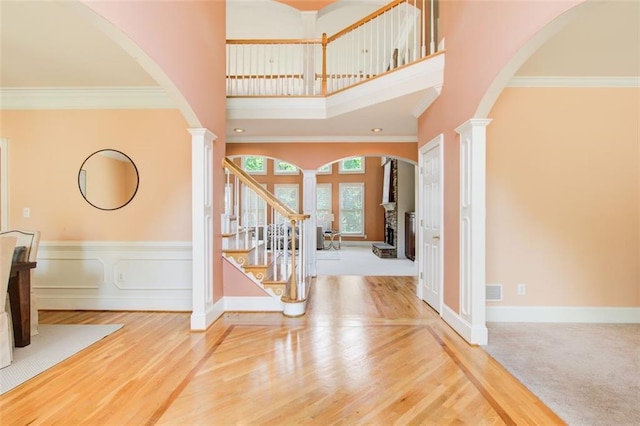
53, 344
588, 374
328, 255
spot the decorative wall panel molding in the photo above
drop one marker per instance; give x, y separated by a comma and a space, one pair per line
114, 275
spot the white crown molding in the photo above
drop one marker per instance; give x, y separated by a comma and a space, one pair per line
426, 101
574, 82
23, 98
322, 139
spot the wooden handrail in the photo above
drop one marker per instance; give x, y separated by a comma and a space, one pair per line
265, 76
277, 41
255, 186
309, 88
366, 19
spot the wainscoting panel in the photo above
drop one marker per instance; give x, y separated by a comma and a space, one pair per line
113, 275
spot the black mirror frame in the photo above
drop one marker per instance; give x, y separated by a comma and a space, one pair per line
134, 167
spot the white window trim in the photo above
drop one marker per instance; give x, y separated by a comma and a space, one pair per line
261, 172
342, 185
351, 172
276, 171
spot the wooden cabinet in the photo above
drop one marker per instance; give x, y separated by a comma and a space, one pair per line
410, 235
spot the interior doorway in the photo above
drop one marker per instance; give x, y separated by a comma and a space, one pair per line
430, 235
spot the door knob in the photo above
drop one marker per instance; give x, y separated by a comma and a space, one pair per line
436, 237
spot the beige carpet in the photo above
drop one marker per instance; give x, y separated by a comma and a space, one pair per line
53, 344
588, 374
360, 260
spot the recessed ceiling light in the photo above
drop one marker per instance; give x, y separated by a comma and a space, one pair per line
238, 130
376, 130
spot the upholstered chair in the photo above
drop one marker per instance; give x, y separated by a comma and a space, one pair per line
30, 240
7, 245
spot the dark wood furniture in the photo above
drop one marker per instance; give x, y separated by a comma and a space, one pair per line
20, 299
410, 235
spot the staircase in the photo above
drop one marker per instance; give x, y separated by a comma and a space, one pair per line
255, 260
266, 244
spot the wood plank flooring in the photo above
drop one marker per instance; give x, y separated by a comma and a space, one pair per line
367, 352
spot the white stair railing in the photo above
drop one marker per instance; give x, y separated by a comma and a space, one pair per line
271, 227
400, 33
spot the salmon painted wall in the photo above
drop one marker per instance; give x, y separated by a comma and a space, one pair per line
47, 148
311, 156
477, 50
187, 41
237, 284
563, 198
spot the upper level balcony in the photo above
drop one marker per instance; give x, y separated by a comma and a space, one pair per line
385, 68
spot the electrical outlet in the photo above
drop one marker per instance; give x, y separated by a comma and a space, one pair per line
121, 276
522, 289
26, 212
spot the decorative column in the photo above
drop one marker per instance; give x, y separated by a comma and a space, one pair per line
309, 184
202, 227
472, 229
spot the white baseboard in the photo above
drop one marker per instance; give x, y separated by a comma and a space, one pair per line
475, 335
577, 314
200, 322
114, 303
252, 304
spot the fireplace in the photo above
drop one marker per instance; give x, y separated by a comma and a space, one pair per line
390, 236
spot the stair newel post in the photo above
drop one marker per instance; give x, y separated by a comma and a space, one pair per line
293, 287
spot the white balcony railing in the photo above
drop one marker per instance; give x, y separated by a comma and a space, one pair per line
400, 33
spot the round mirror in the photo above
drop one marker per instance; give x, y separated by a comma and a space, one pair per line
108, 179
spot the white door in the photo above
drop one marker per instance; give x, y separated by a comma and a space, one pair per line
430, 224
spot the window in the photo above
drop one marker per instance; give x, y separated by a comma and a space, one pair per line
254, 208
351, 165
288, 194
283, 168
326, 170
352, 209
323, 206
254, 165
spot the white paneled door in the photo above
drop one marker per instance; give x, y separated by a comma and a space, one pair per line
430, 228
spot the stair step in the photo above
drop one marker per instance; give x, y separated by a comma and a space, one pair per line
278, 287
259, 262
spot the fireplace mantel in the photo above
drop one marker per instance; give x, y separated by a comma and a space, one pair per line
389, 206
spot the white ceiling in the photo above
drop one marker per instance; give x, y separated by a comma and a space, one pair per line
43, 44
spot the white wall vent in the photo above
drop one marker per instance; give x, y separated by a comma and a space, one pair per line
493, 292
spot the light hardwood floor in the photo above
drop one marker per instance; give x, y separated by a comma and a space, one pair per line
367, 352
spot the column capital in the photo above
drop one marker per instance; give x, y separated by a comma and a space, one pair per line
203, 133
473, 123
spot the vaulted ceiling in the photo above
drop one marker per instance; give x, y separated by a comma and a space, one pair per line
43, 44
